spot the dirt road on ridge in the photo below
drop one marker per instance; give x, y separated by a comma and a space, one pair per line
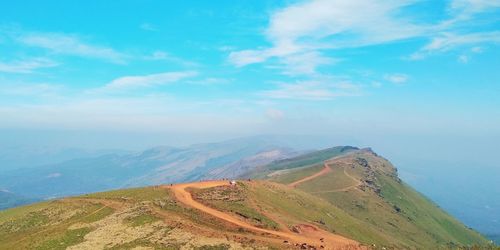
310, 235
326, 169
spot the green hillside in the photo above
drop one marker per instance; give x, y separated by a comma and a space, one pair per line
124, 219
366, 186
301, 161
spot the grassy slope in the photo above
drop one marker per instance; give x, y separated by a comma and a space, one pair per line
68, 222
404, 216
439, 225
294, 206
72, 221
272, 205
301, 161
45, 225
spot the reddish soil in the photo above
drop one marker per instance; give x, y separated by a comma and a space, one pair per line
310, 235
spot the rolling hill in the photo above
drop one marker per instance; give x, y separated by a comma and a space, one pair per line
338, 198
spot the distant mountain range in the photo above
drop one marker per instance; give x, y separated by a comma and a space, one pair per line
16, 157
9, 199
157, 165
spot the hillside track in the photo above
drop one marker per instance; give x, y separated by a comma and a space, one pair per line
326, 169
309, 234
356, 184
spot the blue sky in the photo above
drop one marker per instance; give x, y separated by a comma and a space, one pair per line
251, 67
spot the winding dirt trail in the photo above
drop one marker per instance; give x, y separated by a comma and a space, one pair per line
355, 185
309, 234
326, 169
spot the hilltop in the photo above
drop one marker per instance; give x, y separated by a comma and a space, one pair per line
338, 198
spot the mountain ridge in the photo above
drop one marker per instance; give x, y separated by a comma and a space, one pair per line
359, 196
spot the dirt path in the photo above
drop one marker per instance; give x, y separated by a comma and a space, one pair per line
355, 185
309, 234
326, 169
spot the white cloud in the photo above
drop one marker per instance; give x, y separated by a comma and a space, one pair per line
128, 82
311, 27
304, 63
302, 30
210, 81
396, 78
312, 91
474, 5
477, 50
158, 55
26, 66
164, 56
65, 44
449, 41
32, 90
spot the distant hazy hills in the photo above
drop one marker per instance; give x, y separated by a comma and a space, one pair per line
15, 157
154, 166
9, 199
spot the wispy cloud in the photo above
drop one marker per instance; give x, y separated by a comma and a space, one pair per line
304, 63
302, 30
32, 90
449, 41
146, 113
310, 27
141, 81
312, 90
467, 8
159, 55
210, 81
26, 66
72, 45
396, 78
